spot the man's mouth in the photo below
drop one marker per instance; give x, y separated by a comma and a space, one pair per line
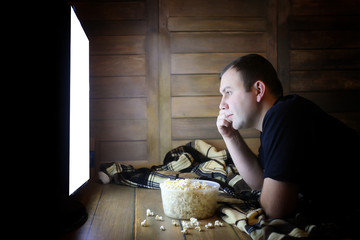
228, 116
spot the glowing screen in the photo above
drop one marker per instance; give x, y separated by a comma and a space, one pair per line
79, 106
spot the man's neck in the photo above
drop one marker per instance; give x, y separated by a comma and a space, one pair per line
266, 103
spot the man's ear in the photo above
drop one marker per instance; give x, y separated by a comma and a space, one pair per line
260, 88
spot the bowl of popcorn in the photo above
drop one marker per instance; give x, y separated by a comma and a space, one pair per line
189, 198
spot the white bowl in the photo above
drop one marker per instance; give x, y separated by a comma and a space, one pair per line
187, 202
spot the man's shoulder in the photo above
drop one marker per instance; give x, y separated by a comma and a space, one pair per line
293, 102
291, 106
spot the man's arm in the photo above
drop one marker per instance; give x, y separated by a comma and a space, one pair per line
278, 199
244, 159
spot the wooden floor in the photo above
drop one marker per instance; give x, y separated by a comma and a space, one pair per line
115, 212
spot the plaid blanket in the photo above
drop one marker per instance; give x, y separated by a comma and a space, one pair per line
240, 207
197, 159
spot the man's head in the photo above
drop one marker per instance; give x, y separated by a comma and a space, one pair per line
249, 86
253, 67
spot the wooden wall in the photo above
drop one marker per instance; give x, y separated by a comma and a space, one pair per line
123, 79
318, 52
155, 65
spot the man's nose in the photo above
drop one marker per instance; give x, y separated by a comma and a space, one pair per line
223, 105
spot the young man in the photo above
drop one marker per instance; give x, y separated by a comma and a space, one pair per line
304, 152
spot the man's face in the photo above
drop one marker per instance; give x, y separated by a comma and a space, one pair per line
238, 105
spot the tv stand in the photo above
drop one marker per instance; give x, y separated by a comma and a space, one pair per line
73, 214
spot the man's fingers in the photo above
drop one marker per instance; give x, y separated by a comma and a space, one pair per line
222, 122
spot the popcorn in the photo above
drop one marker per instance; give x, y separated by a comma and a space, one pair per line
209, 225
144, 223
185, 231
187, 225
218, 223
159, 218
185, 198
149, 213
198, 228
184, 184
193, 223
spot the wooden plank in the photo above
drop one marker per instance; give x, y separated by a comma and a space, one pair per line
195, 85
134, 65
124, 130
194, 128
164, 79
283, 44
335, 101
325, 7
117, 45
217, 42
271, 33
225, 24
114, 216
195, 106
152, 81
324, 80
202, 128
151, 199
217, 8
324, 59
324, 39
122, 108
202, 63
113, 151
116, 87
114, 28
341, 23
224, 232
110, 10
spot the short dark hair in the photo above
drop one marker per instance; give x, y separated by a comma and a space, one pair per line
253, 67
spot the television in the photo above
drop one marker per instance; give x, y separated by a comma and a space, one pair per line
74, 132
79, 136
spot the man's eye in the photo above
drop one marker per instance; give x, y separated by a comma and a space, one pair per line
228, 93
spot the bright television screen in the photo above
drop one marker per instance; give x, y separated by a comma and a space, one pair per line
79, 150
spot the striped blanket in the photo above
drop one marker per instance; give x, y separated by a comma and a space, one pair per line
196, 159
199, 160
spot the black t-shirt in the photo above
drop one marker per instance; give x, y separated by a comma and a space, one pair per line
300, 143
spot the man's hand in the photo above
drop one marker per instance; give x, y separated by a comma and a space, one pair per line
224, 125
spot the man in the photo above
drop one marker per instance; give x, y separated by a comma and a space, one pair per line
304, 153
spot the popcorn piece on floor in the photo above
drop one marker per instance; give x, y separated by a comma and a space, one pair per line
187, 225
209, 225
193, 220
198, 228
149, 213
175, 223
185, 231
159, 218
144, 223
162, 228
218, 223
